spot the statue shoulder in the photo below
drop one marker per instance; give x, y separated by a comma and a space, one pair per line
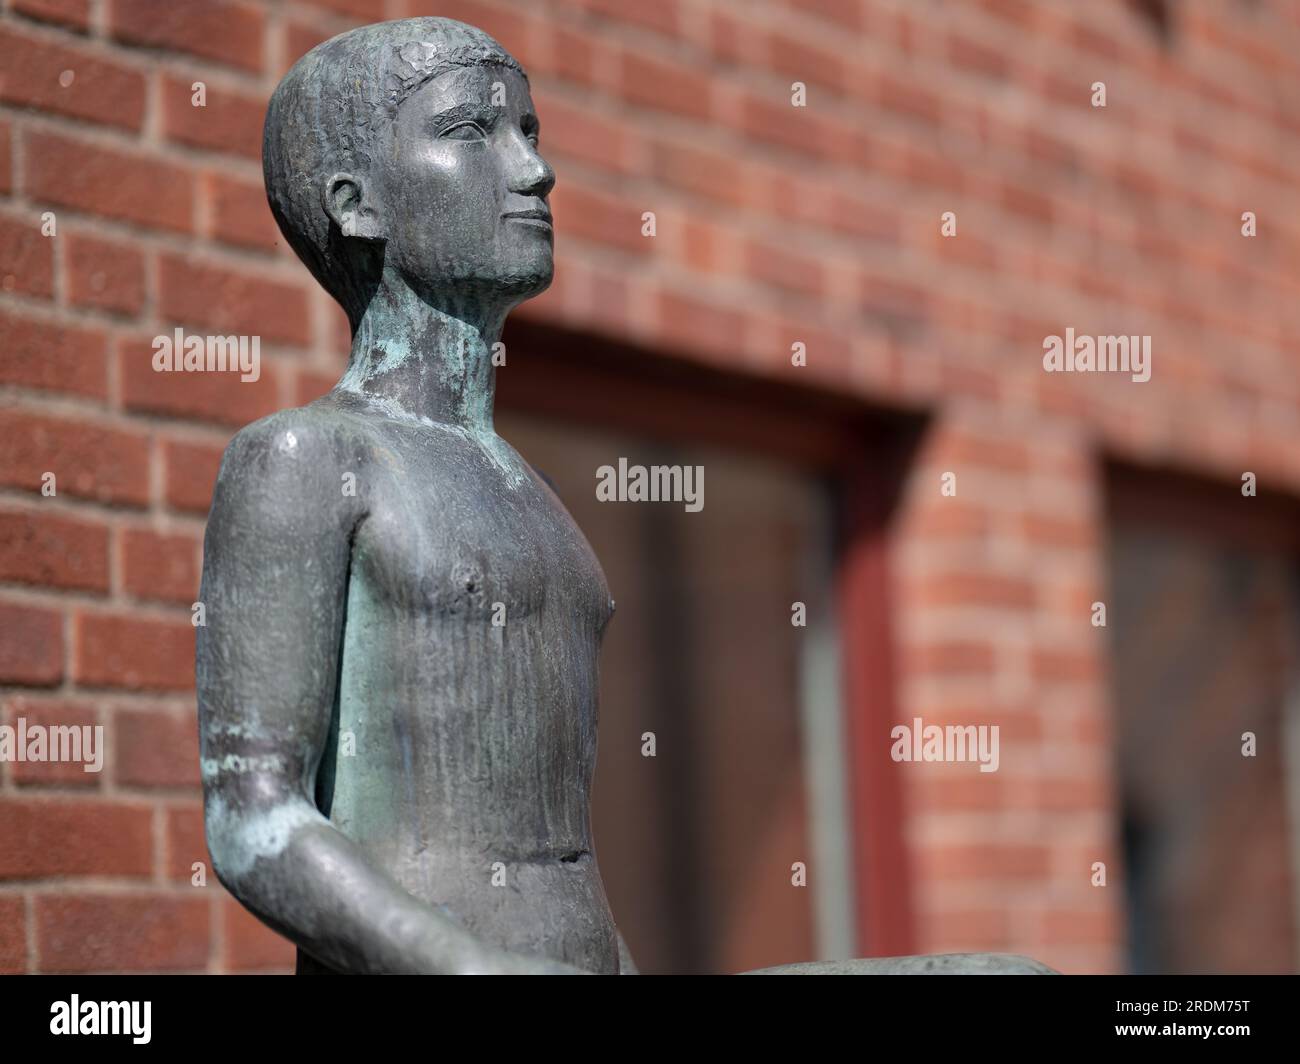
304, 462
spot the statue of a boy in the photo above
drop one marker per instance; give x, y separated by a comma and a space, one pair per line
397, 681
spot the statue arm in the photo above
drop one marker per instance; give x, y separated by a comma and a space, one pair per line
276, 561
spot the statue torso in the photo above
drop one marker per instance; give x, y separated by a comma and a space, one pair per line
467, 696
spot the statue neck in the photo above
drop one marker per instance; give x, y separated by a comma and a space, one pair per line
426, 363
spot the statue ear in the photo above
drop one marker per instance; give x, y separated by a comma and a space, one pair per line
350, 208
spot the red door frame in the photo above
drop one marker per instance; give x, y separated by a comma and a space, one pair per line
863, 451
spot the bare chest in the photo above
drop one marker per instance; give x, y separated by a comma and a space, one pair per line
456, 536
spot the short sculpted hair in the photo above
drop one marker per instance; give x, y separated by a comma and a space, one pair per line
326, 116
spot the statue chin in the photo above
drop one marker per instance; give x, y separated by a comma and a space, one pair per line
935, 964
505, 289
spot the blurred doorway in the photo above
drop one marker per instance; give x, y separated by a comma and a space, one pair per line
1204, 616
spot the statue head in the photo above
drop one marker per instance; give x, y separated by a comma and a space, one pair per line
407, 151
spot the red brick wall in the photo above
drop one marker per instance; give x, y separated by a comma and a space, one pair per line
774, 224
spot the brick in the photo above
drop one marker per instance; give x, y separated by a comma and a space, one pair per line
828, 350
817, 68
969, 929
861, 218
156, 748
88, 460
972, 381
311, 386
1078, 794
300, 39
119, 650
1091, 925
948, 518
665, 86
162, 567
704, 246
784, 269
143, 932
908, 99
230, 302
731, 38
49, 357
975, 58
42, 837
191, 474
218, 395
371, 10
239, 213
846, 13
1027, 203
974, 589
1000, 861
74, 13
1067, 666
250, 946
1045, 530
699, 171
955, 448
230, 122
699, 324
105, 274
228, 32
186, 844
69, 81
967, 792
13, 935
575, 54
51, 550
60, 713
1017, 724
26, 259
128, 187
592, 215
577, 132
664, 17
950, 658
1020, 13
895, 301
777, 122
31, 646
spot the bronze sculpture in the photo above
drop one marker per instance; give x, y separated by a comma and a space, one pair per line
398, 676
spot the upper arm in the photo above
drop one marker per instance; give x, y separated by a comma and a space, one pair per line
275, 570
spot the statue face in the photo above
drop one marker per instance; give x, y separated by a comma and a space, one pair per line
463, 189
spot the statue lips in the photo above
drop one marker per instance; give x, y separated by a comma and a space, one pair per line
540, 217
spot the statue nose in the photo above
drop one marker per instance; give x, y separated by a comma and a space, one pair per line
536, 181
534, 176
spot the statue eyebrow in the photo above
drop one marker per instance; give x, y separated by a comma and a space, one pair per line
461, 112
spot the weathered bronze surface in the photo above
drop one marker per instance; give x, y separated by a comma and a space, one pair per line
398, 674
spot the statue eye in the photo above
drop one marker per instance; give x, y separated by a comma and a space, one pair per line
463, 131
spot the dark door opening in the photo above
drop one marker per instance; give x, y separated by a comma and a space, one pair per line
1204, 612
